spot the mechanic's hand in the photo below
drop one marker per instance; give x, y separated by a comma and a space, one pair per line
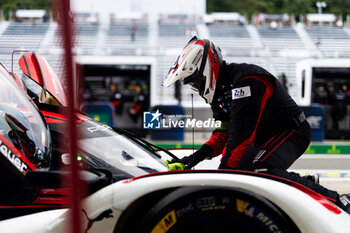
173, 165
203, 153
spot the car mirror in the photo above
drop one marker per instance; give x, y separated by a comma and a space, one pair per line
44, 178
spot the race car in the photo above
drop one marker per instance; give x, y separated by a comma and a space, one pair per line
110, 154
196, 201
130, 187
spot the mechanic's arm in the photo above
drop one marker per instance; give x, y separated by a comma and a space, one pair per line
217, 141
249, 99
213, 147
208, 150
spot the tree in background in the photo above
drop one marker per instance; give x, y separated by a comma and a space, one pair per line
248, 7
12, 5
295, 7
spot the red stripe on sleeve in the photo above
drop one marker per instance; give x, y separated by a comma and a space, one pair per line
217, 142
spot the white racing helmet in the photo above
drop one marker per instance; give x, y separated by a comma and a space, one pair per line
198, 65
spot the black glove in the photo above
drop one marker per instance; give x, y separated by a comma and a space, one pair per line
205, 152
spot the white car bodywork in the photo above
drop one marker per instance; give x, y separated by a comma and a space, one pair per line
309, 215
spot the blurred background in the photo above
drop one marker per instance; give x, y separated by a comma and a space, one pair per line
124, 49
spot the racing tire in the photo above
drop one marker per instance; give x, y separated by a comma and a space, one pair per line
215, 209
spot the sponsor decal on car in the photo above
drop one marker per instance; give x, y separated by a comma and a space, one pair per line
105, 214
252, 211
13, 158
165, 223
99, 128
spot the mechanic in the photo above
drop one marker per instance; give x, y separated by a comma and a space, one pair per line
262, 128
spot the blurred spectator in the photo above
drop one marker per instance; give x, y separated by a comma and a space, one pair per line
339, 23
347, 90
87, 95
283, 79
320, 95
178, 95
116, 99
273, 25
308, 25
133, 31
318, 42
261, 18
256, 19
91, 20
241, 20
191, 32
338, 102
45, 18
139, 104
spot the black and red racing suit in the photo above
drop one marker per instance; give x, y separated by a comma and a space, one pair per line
261, 118
265, 128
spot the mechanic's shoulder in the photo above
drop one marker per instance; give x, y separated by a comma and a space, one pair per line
256, 79
251, 79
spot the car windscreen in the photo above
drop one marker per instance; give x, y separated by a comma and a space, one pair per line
22, 124
104, 148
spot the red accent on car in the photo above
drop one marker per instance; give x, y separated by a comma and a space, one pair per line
39, 70
51, 200
316, 196
32, 206
53, 120
82, 117
59, 191
53, 114
53, 117
326, 202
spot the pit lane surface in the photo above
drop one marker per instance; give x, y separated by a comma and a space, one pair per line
333, 169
